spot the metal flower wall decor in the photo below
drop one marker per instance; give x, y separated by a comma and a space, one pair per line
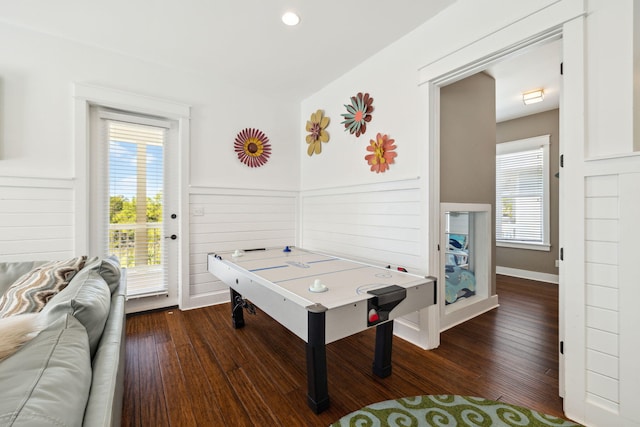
358, 114
252, 147
382, 154
316, 126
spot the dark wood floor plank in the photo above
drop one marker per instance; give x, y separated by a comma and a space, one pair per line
199, 388
176, 328
152, 323
153, 410
257, 375
222, 394
132, 395
176, 388
228, 348
259, 411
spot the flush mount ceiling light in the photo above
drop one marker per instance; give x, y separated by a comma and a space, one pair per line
533, 96
290, 19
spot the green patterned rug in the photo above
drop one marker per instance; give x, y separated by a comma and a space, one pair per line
447, 410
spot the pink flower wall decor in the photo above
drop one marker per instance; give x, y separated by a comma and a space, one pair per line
382, 154
252, 147
358, 114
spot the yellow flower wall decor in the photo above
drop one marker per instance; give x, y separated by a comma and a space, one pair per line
358, 114
252, 147
316, 126
382, 154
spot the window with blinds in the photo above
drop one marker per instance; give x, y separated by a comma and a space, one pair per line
135, 192
522, 193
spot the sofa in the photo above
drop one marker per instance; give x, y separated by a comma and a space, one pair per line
71, 371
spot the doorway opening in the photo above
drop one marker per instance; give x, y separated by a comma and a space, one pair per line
453, 176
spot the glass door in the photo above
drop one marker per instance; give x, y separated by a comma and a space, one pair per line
137, 204
134, 199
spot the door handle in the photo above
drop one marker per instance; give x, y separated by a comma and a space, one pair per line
172, 237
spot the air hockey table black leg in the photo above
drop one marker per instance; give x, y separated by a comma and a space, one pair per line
382, 353
317, 389
237, 315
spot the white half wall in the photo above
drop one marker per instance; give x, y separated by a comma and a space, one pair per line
36, 219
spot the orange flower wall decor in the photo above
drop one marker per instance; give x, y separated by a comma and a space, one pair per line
316, 125
382, 153
252, 147
358, 114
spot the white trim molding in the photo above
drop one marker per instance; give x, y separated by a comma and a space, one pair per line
84, 96
39, 182
527, 274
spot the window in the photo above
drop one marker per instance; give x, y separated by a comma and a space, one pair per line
522, 193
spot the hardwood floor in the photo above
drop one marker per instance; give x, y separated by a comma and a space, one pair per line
192, 369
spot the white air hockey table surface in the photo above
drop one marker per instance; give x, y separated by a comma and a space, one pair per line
322, 298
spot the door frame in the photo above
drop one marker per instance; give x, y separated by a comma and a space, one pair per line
85, 96
563, 21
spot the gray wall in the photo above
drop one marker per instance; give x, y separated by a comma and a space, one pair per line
527, 127
468, 146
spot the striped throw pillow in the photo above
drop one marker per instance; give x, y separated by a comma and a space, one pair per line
33, 290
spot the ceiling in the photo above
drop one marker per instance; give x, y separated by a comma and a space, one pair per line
244, 42
537, 67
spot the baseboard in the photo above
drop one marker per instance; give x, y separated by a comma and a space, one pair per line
468, 312
526, 274
205, 300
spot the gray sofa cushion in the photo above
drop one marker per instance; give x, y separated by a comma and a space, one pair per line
54, 379
108, 268
110, 271
87, 298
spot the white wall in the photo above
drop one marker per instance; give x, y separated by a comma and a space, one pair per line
37, 73
597, 318
36, 219
609, 106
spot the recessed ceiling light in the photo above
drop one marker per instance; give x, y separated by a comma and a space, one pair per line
290, 19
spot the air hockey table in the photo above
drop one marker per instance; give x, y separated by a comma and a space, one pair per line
321, 298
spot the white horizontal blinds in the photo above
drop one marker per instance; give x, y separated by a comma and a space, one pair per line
136, 187
521, 192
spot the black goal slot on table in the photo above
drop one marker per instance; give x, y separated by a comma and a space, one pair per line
383, 301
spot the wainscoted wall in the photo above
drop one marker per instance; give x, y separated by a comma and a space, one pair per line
382, 224
601, 275
36, 219
612, 209
379, 223
229, 219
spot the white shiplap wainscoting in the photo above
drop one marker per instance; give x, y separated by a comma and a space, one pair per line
381, 224
376, 223
612, 291
36, 218
227, 219
601, 274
